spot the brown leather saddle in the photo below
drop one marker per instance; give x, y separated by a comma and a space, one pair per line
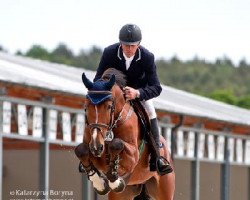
145, 125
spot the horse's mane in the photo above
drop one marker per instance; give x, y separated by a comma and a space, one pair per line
120, 77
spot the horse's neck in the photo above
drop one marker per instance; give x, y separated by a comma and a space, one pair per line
119, 97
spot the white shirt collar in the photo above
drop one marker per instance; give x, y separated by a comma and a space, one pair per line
128, 60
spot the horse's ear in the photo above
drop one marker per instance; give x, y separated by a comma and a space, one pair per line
111, 82
88, 84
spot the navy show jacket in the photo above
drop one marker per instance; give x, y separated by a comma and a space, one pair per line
141, 74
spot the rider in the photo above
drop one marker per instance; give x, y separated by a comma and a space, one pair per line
138, 64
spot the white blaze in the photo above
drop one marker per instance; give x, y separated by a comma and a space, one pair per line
94, 137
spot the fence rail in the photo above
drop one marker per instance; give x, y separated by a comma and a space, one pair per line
211, 145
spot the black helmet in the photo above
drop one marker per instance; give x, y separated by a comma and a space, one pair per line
130, 34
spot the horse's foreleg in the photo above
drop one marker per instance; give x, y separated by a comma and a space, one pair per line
82, 153
116, 183
99, 181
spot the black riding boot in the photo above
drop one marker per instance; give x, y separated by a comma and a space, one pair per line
158, 163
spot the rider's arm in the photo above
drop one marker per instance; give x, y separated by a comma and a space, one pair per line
153, 87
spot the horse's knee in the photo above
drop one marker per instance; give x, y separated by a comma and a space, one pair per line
116, 146
82, 150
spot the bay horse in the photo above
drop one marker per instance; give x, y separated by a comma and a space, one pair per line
113, 154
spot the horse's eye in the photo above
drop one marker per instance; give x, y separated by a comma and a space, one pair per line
109, 107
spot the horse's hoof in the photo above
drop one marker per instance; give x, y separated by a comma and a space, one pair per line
103, 192
118, 185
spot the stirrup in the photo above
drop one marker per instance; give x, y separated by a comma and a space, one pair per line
168, 169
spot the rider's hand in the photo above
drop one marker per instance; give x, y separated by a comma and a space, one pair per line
131, 93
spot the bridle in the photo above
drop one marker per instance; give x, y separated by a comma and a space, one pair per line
113, 123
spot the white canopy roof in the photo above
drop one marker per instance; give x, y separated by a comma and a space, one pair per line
33, 72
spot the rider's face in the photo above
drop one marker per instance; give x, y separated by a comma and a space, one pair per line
129, 50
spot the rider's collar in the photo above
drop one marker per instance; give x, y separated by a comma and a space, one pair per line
136, 57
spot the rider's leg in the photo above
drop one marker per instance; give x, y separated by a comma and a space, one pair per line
162, 164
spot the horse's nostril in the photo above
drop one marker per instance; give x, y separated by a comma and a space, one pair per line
100, 147
91, 148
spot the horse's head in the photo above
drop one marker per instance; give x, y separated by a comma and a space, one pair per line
99, 107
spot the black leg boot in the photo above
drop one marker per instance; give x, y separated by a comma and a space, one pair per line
158, 163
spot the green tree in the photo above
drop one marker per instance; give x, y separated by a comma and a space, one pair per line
94, 57
88, 59
243, 63
244, 102
19, 53
38, 51
62, 54
224, 96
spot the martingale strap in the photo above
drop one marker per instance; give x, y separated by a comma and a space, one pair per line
119, 118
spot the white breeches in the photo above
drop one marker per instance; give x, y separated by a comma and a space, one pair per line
149, 107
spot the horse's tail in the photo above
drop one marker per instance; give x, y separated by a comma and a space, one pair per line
143, 195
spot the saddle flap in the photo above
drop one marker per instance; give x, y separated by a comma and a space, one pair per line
142, 116
145, 125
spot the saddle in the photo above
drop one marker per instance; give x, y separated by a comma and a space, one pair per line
148, 137
145, 126
142, 116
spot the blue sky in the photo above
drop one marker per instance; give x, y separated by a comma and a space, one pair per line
209, 29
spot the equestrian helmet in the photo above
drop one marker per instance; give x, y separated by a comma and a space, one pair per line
130, 34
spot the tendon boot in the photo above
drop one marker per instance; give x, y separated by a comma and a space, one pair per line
157, 162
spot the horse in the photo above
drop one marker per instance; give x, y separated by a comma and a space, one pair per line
113, 153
